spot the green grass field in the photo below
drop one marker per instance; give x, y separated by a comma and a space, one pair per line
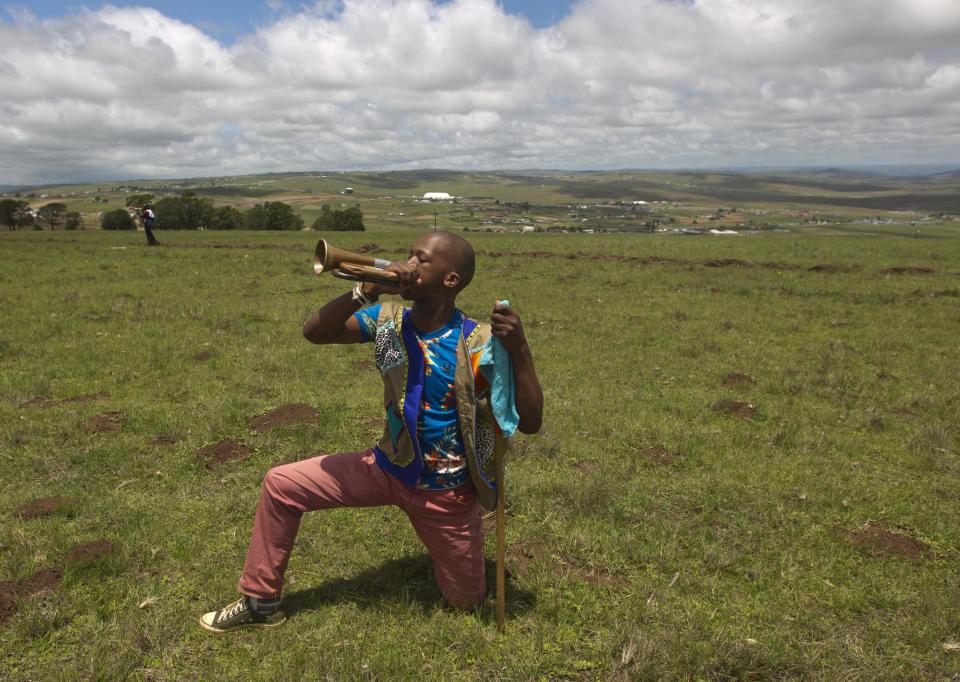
670, 521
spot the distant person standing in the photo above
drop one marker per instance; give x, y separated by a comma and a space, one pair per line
149, 218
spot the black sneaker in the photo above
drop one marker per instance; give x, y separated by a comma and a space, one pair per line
239, 615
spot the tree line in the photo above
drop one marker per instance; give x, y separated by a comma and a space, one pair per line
184, 212
190, 212
17, 214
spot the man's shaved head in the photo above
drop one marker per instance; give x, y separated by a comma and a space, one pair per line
460, 254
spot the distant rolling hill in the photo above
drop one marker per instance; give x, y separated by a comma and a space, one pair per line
860, 188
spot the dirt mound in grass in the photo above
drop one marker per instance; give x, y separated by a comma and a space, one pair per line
600, 576
91, 551
953, 293
12, 590
882, 542
164, 440
224, 451
203, 356
46, 403
830, 268
370, 248
736, 408
585, 466
48, 506
728, 263
776, 265
658, 454
735, 379
103, 423
285, 415
908, 271
520, 558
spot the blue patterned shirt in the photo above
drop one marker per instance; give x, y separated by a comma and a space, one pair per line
438, 431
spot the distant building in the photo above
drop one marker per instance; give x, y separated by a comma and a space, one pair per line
437, 196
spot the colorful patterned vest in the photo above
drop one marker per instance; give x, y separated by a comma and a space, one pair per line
401, 364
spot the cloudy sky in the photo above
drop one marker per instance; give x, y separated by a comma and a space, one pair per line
176, 89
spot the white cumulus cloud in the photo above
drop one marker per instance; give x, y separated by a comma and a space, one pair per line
126, 91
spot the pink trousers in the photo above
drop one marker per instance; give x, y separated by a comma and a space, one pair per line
447, 521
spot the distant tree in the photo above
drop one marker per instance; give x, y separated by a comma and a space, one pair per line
138, 201
197, 211
117, 219
52, 213
12, 212
273, 215
351, 220
186, 212
72, 221
226, 218
169, 212
348, 220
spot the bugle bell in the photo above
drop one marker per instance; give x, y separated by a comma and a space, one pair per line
356, 267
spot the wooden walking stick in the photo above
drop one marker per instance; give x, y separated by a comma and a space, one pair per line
501, 541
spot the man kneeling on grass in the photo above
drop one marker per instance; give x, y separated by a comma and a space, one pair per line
454, 389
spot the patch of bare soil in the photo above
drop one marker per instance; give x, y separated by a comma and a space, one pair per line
881, 542
50, 402
46, 579
952, 293
830, 268
521, 557
728, 263
164, 440
203, 356
658, 454
224, 451
736, 408
91, 551
776, 265
585, 466
370, 248
908, 271
48, 506
601, 577
103, 423
363, 364
735, 379
285, 415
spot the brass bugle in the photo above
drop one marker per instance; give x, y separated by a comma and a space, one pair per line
356, 267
